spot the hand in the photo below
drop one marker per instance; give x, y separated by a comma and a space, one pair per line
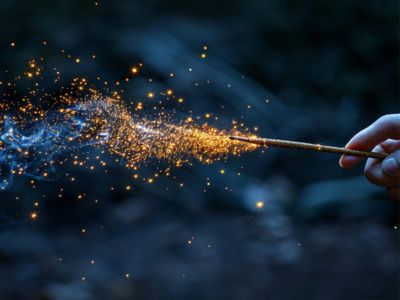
384, 136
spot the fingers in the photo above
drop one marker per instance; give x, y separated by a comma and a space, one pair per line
385, 173
386, 127
384, 136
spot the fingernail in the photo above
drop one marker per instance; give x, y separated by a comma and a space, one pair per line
390, 166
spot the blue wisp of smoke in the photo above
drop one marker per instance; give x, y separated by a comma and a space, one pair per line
35, 149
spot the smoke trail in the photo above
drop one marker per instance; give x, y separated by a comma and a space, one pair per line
33, 149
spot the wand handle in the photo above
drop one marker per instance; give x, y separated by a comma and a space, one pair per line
308, 146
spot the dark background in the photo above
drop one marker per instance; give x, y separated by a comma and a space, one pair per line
328, 69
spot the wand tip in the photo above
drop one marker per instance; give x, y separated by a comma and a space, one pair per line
239, 138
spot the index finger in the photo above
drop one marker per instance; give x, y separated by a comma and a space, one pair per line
386, 127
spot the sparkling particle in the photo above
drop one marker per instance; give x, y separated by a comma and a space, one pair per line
34, 215
260, 204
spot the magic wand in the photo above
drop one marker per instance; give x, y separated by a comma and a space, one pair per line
307, 146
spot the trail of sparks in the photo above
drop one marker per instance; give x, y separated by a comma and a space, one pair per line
108, 124
141, 140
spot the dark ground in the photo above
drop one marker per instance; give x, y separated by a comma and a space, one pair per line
328, 68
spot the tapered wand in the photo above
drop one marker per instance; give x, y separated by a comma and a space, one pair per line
308, 146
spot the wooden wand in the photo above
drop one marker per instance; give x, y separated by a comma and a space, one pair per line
308, 146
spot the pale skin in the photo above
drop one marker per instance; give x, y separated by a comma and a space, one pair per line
381, 136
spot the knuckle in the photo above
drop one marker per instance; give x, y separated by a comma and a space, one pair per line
384, 119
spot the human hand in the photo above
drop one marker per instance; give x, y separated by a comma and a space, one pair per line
384, 136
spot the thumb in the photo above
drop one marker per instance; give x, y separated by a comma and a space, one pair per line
391, 164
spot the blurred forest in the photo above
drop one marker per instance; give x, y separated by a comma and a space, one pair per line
327, 69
